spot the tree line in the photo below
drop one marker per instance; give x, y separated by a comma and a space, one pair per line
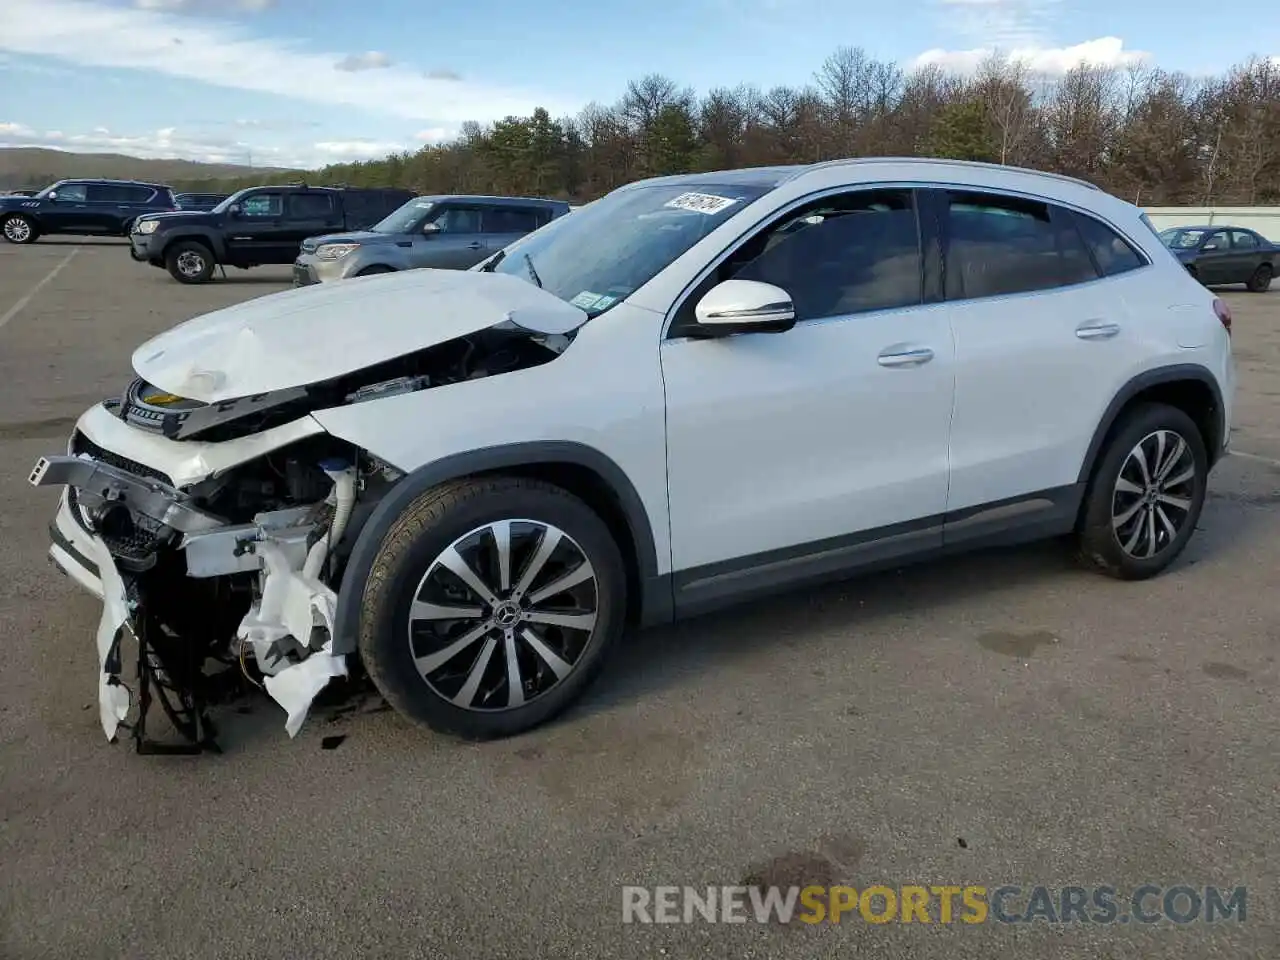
1151, 136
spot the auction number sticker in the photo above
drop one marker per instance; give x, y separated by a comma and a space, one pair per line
586, 300
707, 203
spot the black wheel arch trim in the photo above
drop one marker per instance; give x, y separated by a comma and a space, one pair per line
655, 599
1144, 381
210, 238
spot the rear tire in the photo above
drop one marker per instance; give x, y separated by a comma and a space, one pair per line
1146, 493
1261, 279
19, 229
515, 655
189, 261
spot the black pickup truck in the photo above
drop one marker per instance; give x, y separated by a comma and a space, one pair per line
255, 227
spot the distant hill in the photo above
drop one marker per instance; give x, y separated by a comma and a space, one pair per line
26, 167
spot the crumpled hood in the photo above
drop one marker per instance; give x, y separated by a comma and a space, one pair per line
356, 236
314, 333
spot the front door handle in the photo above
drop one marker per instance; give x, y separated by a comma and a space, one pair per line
1097, 330
474, 245
902, 356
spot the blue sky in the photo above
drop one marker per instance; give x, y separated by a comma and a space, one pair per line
304, 82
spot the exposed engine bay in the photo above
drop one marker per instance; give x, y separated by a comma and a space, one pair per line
240, 570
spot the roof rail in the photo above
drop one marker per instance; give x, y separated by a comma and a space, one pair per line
969, 164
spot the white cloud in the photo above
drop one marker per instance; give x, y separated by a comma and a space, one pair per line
435, 135
224, 54
1002, 23
9, 131
341, 150
355, 62
1103, 52
443, 75
205, 6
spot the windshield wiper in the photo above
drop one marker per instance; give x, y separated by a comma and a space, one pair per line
488, 267
533, 274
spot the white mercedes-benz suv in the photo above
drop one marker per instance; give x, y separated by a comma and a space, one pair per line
694, 390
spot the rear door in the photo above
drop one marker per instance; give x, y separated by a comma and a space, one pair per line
1043, 334
308, 213
1246, 255
504, 224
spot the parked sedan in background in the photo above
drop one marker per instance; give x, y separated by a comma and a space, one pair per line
1224, 254
445, 232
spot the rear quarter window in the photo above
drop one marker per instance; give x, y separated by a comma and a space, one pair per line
1111, 252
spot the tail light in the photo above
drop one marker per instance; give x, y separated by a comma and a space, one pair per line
1224, 314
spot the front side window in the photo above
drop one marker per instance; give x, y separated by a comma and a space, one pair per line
607, 250
73, 191
1217, 243
1000, 245
454, 220
842, 255
262, 205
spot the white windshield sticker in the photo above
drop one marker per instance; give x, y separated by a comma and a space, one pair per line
701, 202
603, 302
586, 300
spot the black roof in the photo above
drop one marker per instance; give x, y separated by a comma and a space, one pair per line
114, 182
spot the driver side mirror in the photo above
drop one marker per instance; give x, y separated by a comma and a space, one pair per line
234, 210
744, 306
52, 194
430, 229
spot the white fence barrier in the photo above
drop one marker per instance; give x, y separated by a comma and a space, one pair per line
1265, 220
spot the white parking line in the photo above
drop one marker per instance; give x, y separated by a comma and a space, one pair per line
1255, 457
17, 307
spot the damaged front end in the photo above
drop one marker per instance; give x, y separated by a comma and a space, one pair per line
216, 534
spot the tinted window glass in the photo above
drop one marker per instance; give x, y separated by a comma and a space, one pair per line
1111, 252
1217, 243
510, 220
139, 194
1244, 241
72, 191
459, 220
309, 206
1005, 245
847, 254
262, 205
105, 193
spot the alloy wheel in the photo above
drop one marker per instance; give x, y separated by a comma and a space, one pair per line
1154, 493
17, 230
190, 263
503, 615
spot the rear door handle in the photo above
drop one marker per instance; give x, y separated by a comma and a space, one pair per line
900, 355
1097, 330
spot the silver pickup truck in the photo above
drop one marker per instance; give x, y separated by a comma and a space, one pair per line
444, 232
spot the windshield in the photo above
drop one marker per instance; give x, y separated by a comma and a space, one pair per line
405, 219
598, 255
1179, 239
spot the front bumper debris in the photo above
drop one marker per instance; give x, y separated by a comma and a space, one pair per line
277, 559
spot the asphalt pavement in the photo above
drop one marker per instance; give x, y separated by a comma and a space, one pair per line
1001, 719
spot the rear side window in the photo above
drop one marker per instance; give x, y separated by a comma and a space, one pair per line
107, 193
1243, 240
309, 206
511, 220
1001, 245
1111, 252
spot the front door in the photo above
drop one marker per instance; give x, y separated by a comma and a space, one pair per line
795, 453
69, 210
454, 241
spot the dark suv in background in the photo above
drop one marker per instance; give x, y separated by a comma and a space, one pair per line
82, 207
443, 232
199, 201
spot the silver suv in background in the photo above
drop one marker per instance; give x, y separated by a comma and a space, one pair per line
443, 232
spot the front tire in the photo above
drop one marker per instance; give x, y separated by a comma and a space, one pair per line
1261, 279
189, 261
1146, 494
19, 229
491, 606
375, 270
